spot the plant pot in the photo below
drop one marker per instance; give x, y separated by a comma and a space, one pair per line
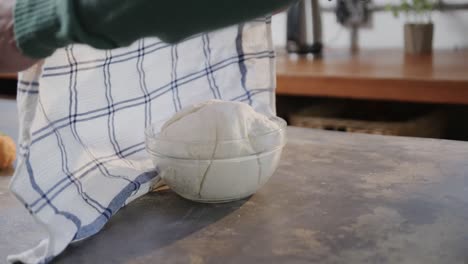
418, 38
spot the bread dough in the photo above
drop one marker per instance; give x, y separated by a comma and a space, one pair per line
216, 130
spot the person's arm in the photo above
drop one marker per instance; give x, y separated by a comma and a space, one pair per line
11, 59
42, 26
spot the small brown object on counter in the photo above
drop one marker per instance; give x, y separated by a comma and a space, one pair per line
418, 38
7, 152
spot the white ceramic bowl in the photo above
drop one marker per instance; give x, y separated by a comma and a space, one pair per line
221, 171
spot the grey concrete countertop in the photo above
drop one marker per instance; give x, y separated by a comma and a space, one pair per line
336, 198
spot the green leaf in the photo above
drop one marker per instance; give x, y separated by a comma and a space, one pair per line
395, 12
405, 6
429, 6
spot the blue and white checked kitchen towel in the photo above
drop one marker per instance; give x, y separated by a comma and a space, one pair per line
83, 113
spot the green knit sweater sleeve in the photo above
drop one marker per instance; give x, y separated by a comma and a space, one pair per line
42, 26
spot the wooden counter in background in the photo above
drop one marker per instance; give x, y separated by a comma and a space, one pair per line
8, 76
377, 74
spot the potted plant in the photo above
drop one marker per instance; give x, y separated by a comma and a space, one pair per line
419, 29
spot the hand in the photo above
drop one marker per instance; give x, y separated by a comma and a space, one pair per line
11, 58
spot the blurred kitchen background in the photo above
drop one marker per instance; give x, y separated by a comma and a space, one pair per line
383, 30
370, 77
362, 69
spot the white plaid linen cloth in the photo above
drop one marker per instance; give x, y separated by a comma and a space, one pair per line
83, 113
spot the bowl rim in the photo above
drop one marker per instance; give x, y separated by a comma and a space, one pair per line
237, 159
150, 135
